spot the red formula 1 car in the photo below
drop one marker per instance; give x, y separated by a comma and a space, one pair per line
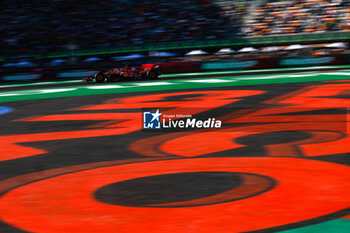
145, 72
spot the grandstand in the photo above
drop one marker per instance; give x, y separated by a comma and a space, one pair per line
45, 34
298, 16
44, 26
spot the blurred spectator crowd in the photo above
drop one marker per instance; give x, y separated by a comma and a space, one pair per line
40, 26
298, 16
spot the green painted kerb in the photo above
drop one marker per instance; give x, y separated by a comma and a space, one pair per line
110, 88
333, 226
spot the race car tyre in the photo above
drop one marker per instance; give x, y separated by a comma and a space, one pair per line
100, 77
152, 75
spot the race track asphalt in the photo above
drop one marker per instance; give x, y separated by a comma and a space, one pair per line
74, 161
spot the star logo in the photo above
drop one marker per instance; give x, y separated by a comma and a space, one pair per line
151, 120
155, 115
